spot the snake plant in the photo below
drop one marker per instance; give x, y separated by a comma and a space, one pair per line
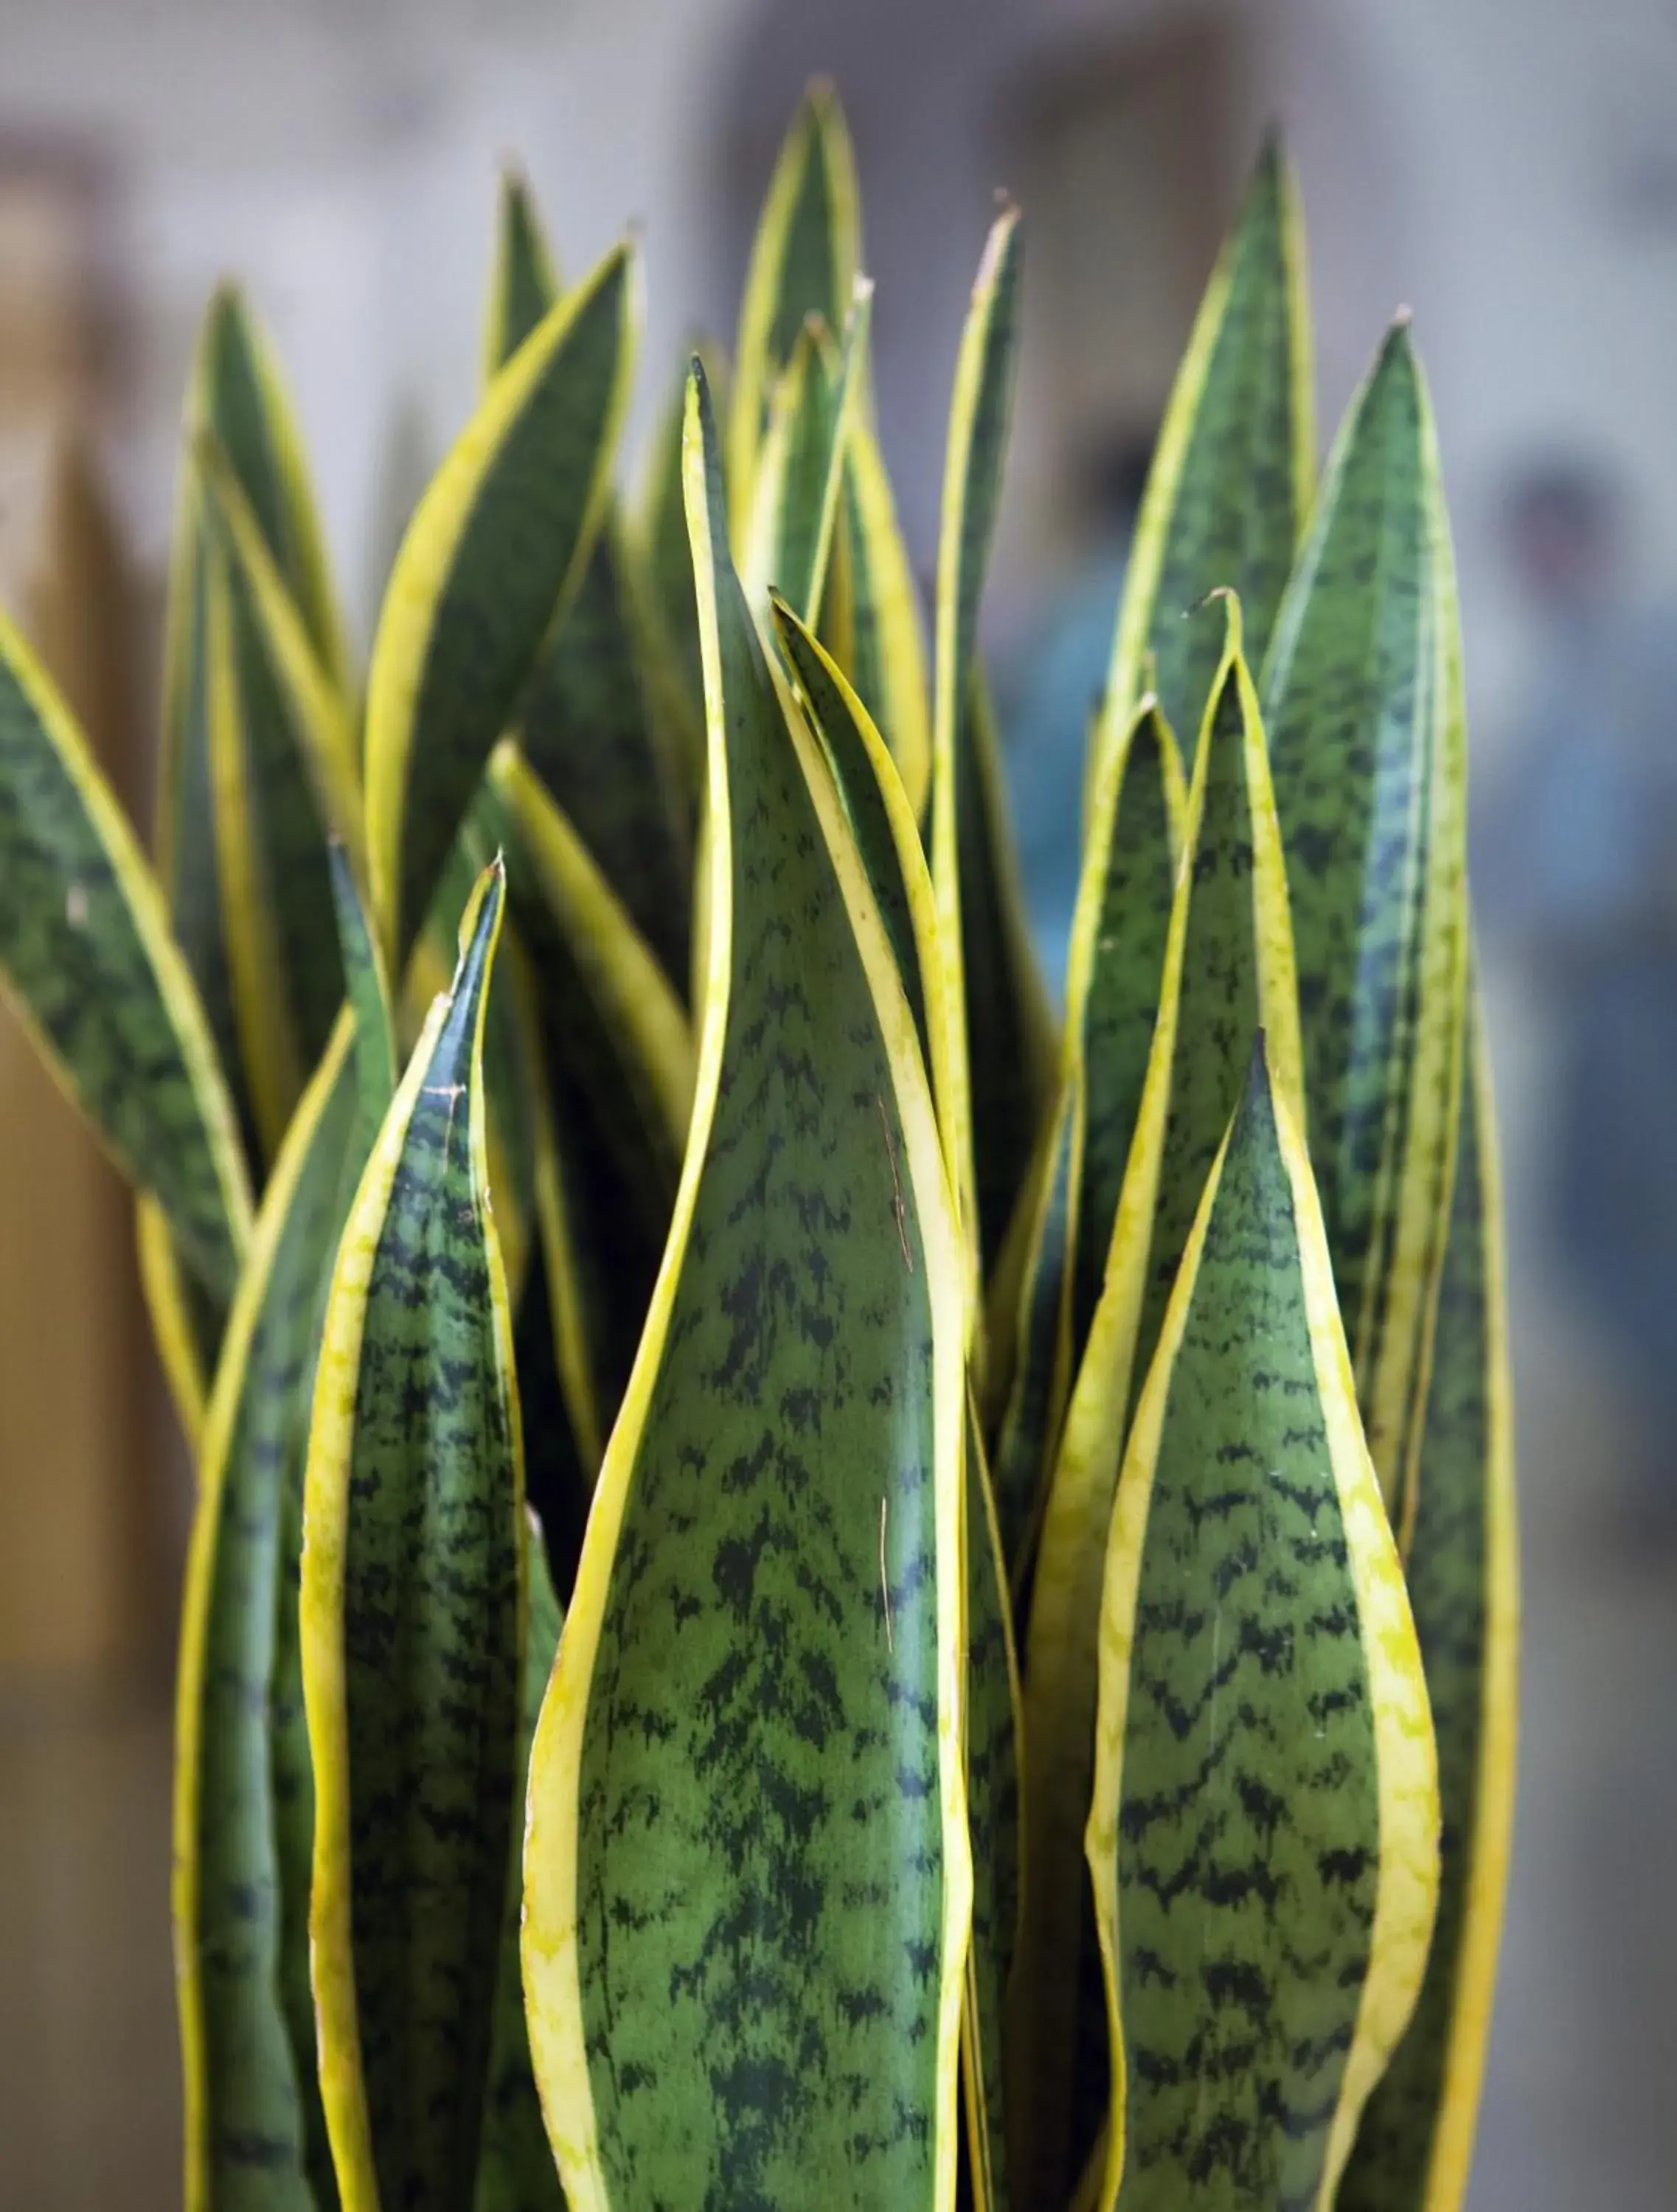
814, 1584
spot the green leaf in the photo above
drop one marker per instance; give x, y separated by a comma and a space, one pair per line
887, 650
1416, 2143
800, 468
516, 2172
499, 543
256, 2137
1115, 969
663, 561
593, 724
994, 1727
1000, 1075
805, 260
1363, 705
1228, 972
1231, 485
411, 1619
93, 973
745, 1975
368, 989
1263, 1841
525, 283
186, 1320
277, 924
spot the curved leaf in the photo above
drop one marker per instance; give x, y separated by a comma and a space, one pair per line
1231, 485
887, 648
244, 1791
1000, 1076
525, 283
1362, 704
800, 468
744, 1980
1263, 1840
497, 545
1415, 2145
92, 971
804, 259
412, 1620
515, 2171
185, 1321
1228, 971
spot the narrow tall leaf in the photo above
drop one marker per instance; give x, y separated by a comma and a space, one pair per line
525, 280
1415, 2145
1000, 1076
92, 971
1228, 971
1263, 1841
412, 1619
744, 1981
498, 544
800, 469
256, 2137
1231, 485
805, 260
888, 648
1363, 709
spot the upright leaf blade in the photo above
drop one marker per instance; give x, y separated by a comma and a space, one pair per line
499, 542
1231, 485
244, 1791
740, 1989
1228, 972
800, 470
1000, 1075
413, 1628
804, 259
525, 283
1415, 2144
888, 650
90, 967
1363, 705
1265, 1752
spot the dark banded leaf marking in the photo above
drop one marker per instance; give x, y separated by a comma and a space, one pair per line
747, 1875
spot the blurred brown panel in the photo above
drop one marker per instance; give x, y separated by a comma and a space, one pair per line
75, 1473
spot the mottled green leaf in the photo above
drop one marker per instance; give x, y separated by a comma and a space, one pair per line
1263, 1840
1363, 705
1415, 2145
256, 2137
663, 562
1032, 1324
1230, 485
747, 1881
499, 542
89, 967
411, 1615
805, 260
1227, 972
993, 1798
516, 2172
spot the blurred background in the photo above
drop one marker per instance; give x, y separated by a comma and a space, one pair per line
1506, 168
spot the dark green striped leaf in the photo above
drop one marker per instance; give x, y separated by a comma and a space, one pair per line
1033, 1323
1415, 2145
256, 2138
1363, 705
747, 1875
1263, 1842
410, 1628
805, 260
994, 1807
1227, 971
90, 968
1230, 485
499, 542
515, 2171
